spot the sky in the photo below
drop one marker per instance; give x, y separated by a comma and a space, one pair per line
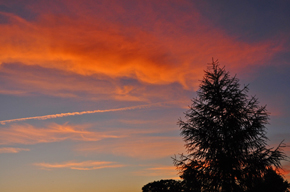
91, 91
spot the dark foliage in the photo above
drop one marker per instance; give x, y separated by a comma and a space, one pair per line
169, 185
270, 182
224, 134
190, 181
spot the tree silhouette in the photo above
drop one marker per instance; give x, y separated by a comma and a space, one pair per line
224, 134
168, 185
271, 181
190, 181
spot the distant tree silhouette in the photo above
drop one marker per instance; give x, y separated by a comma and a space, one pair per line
169, 185
224, 134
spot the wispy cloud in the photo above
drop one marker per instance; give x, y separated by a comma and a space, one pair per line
44, 117
23, 80
12, 150
28, 134
84, 165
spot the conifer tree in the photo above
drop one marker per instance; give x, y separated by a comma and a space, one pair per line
225, 137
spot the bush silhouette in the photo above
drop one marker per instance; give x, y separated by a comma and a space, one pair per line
169, 185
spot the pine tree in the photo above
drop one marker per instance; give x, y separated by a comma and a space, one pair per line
225, 137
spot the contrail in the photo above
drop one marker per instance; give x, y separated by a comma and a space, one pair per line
44, 117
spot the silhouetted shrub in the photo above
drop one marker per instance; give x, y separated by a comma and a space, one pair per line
169, 185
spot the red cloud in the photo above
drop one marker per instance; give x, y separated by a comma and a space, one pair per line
89, 40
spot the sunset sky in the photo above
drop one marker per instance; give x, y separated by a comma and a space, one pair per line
91, 90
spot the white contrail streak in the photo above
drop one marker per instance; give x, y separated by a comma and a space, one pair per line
44, 117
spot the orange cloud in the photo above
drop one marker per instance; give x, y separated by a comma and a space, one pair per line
88, 44
85, 165
286, 171
32, 80
12, 150
28, 134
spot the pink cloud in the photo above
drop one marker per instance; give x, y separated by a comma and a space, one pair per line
28, 134
12, 150
84, 165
